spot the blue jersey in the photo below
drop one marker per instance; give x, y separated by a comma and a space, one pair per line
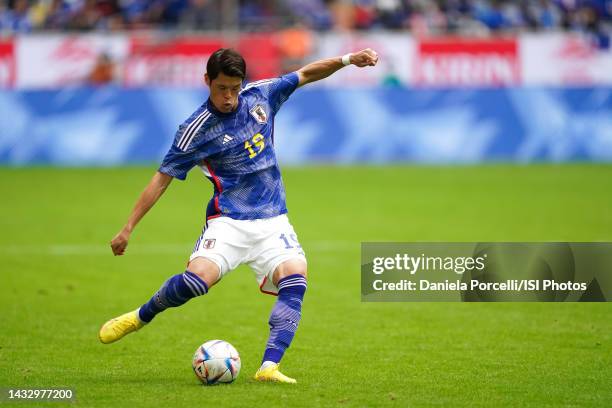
236, 151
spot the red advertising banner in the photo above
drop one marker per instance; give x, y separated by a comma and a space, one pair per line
261, 54
7, 64
174, 62
467, 62
50, 61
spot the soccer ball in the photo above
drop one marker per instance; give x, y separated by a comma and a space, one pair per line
216, 361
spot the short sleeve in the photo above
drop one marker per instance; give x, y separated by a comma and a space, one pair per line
177, 163
189, 147
277, 90
282, 88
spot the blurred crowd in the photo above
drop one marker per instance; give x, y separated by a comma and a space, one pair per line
427, 17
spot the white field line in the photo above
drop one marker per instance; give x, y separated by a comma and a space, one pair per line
150, 249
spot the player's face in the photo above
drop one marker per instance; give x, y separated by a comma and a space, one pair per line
224, 91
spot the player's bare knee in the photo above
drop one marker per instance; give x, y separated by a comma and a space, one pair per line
288, 268
300, 269
206, 270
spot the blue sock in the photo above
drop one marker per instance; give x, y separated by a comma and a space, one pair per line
285, 316
174, 292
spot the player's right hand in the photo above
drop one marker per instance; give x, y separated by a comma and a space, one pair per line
119, 243
364, 58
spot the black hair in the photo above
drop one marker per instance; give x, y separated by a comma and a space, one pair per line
228, 61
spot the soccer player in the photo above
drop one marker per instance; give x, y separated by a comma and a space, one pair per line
230, 137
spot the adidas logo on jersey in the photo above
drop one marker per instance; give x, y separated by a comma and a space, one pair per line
227, 138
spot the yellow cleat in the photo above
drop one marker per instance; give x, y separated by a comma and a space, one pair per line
272, 374
118, 327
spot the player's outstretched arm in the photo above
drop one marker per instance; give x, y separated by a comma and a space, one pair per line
147, 199
321, 69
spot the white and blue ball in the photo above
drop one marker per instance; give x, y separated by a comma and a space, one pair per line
216, 361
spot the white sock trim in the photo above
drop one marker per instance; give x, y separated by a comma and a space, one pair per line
267, 364
138, 317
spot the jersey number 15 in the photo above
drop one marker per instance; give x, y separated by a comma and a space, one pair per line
258, 141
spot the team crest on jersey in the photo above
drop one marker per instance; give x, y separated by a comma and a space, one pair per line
209, 243
259, 113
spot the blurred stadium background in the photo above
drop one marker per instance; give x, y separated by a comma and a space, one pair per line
105, 82
92, 91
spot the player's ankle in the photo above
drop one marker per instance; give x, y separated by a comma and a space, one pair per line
267, 364
142, 322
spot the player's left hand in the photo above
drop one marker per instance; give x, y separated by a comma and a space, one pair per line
364, 58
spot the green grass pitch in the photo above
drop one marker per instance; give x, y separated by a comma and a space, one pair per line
59, 283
